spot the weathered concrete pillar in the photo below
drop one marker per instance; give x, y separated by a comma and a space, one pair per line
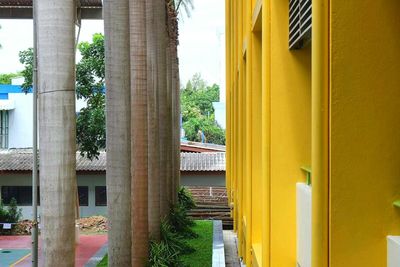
116, 27
57, 129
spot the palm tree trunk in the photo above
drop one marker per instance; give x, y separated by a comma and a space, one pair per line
116, 26
170, 136
162, 104
176, 115
57, 127
153, 130
173, 55
139, 152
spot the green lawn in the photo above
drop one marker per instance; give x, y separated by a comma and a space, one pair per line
104, 262
202, 257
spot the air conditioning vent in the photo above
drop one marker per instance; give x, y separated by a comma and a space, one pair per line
300, 14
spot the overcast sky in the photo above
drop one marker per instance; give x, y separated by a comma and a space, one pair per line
201, 41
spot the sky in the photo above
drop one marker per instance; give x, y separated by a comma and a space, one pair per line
201, 49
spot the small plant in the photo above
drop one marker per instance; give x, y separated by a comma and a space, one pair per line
174, 240
14, 214
3, 212
185, 199
10, 214
180, 222
162, 256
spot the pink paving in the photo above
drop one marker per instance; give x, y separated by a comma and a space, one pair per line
87, 247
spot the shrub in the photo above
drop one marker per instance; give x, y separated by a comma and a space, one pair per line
174, 240
185, 199
180, 222
14, 214
11, 214
162, 256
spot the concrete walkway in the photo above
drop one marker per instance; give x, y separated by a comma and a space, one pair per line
230, 243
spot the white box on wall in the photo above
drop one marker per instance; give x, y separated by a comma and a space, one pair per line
303, 210
393, 253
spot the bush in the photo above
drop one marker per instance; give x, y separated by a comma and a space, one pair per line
180, 222
11, 214
174, 240
185, 199
14, 214
173, 230
162, 256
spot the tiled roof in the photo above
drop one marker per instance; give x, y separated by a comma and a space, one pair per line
208, 161
21, 160
28, 3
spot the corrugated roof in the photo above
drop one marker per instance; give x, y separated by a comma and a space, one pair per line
209, 161
21, 160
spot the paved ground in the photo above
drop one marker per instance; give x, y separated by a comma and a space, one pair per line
230, 243
17, 249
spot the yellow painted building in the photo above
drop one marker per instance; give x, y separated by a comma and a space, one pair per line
330, 100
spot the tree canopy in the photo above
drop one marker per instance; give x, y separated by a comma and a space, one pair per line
6, 78
90, 74
198, 112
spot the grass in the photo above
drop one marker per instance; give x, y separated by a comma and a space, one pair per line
202, 257
103, 262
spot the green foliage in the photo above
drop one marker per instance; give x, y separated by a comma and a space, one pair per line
90, 71
185, 199
10, 214
3, 213
26, 58
173, 239
180, 222
198, 112
7, 77
14, 214
162, 256
90, 75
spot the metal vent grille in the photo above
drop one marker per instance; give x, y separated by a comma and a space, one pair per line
300, 14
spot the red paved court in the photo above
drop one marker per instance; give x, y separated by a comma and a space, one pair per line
87, 247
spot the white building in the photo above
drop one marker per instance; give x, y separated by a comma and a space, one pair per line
16, 122
197, 169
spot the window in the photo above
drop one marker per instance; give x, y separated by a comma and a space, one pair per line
101, 196
3, 129
300, 15
23, 195
83, 193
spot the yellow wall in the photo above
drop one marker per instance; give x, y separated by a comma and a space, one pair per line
365, 135
290, 133
335, 104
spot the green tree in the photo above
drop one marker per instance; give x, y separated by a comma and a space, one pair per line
6, 78
198, 111
26, 58
90, 73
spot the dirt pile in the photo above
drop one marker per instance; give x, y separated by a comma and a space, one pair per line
94, 224
22, 228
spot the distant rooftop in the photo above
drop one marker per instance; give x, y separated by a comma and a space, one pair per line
189, 146
20, 160
22, 9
